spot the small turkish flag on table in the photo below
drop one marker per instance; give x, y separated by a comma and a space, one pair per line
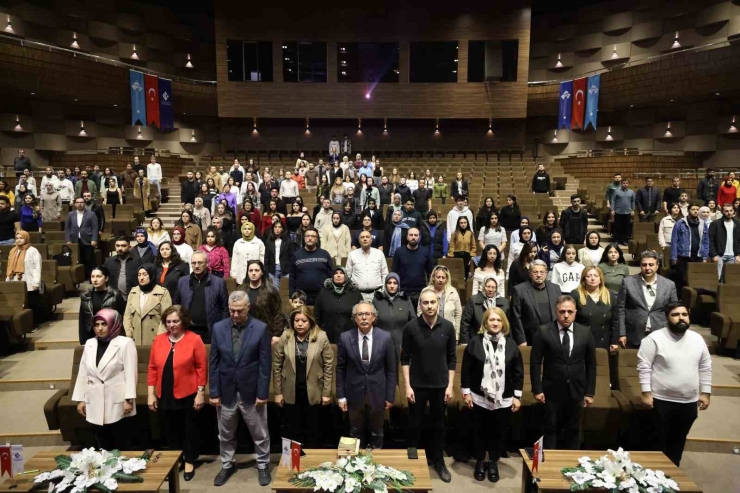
295, 456
539, 454
5, 462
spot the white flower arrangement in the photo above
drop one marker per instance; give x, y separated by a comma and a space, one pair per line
352, 475
91, 469
616, 472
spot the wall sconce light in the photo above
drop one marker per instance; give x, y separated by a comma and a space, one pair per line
9, 27
192, 136
254, 124
385, 125
436, 125
614, 53
82, 129
733, 128
560, 63
138, 136
134, 55
554, 135
609, 134
18, 127
359, 124
490, 126
307, 130
668, 130
676, 44
189, 64
74, 41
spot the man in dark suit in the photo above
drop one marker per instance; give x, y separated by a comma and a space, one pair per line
568, 380
641, 302
366, 374
239, 375
81, 227
532, 304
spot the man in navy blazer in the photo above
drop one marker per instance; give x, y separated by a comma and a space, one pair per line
81, 227
367, 373
239, 375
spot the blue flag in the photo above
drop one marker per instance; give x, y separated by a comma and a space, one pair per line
593, 87
566, 104
138, 99
166, 113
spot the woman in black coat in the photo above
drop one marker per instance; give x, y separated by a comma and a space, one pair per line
394, 308
333, 306
99, 296
492, 379
472, 317
170, 267
596, 307
280, 259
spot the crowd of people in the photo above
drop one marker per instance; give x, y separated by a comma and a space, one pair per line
568, 296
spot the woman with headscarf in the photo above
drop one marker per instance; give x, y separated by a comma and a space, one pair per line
219, 263
333, 306
491, 379
178, 240
525, 235
395, 205
477, 305
246, 248
193, 234
105, 389
24, 264
99, 296
144, 252
593, 251
524, 222
450, 307
201, 213
170, 267
394, 308
250, 210
146, 303
395, 234
551, 252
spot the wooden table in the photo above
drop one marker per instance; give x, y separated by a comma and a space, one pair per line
166, 466
396, 458
551, 479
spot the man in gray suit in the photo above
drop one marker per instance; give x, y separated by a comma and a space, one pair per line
641, 302
532, 304
366, 374
81, 227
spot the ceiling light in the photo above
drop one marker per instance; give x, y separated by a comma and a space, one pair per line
436, 125
668, 130
192, 136
676, 44
18, 126
614, 53
554, 135
632, 106
367, 95
385, 125
733, 129
115, 106
33, 94
490, 127
138, 136
74, 41
134, 55
189, 64
307, 130
560, 63
609, 134
254, 124
716, 94
82, 129
9, 27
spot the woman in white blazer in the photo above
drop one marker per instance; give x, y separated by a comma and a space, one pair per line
246, 248
106, 382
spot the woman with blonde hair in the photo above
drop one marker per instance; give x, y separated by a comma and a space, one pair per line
157, 233
596, 308
338, 191
450, 306
302, 375
491, 381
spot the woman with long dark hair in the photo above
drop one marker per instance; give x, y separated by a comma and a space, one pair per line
519, 270
484, 212
278, 250
193, 233
293, 220
30, 214
100, 295
492, 233
265, 301
349, 217
614, 267
549, 223
219, 263
510, 214
462, 243
490, 264
170, 267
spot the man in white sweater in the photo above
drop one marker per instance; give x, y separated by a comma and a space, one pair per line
154, 174
675, 372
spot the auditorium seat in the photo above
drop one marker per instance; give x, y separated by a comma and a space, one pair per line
69, 276
53, 291
15, 318
731, 274
636, 424
700, 295
640, 231
602, 420
725, 323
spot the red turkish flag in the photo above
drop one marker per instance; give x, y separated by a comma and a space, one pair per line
295, 462
579, 104
151, 88
6, 464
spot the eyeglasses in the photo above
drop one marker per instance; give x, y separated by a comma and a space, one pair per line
364, 314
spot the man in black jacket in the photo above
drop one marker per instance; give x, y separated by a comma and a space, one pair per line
92, 206
708, 187
122, 263
310, 266
574, 222
567, 383
724, 248
188, 190
648, 201
436, 232
375, 215
541, 180
532, 304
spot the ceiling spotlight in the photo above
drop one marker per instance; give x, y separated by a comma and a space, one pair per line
189, 64
614, 53
668, 130
18, 126
33, 94
436, 125
138, 136
716, 94
672, 100
490, 126
115, 106
733, 128
134, 55
9, 27
676, 44
385, 125
74, 41
307, 130
254, 124
192, 136
367, 95
82, 129
560, 63
554, 135
632, 106
359, 123
609, 134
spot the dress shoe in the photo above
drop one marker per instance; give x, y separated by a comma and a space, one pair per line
493, 472
264, 476
188, 475
442, 471
480, 470
223, 476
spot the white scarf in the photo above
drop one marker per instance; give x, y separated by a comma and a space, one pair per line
494, 369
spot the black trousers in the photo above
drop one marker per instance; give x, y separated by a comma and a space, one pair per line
648, 217
303, 420
682, 270
490, 428
414, 297
675, 420
364, 419
466, 261
181, 431
114, 435
622, 227
436, 400
87, 258
563, 423
203, 332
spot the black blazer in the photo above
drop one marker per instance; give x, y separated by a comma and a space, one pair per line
376, 219
472, 316
456, 191
718, 237
147, 258
474, 359
564, 378
287, 248
599, 318
174, 273
524, 314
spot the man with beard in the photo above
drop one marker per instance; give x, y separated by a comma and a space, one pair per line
122, 267
675, 372
413, 265
128, 181
188, 190
310, 266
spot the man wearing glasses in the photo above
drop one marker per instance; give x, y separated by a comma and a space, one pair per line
366, 374
642, 301
204, 296
310, 267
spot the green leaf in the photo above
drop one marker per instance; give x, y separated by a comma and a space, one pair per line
63, 461
122, 477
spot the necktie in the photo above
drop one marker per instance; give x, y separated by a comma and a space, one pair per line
565, 344
236, 340
365, 355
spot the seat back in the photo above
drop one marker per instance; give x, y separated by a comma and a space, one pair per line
728, 301
54, 237
49, 271
13, 296
702, 275
732, 274
603, 376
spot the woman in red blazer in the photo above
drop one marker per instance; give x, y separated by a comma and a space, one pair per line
177, 378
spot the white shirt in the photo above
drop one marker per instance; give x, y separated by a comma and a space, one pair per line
66, 190
289, 188
649, 298
243, 252
369, 270
154, 171
54, 179
674, 368
561, 332
730, 227
80, 215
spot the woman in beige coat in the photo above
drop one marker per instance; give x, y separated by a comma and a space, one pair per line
141, 191
146, 303
450, 306
336, 238
302, 373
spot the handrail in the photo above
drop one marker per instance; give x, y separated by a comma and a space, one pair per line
100, 59
633, 63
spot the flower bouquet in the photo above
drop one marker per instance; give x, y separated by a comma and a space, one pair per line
353, 475
90, 469
616, 472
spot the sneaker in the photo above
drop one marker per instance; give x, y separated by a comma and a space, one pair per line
223, 476
264, 476
442, 472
